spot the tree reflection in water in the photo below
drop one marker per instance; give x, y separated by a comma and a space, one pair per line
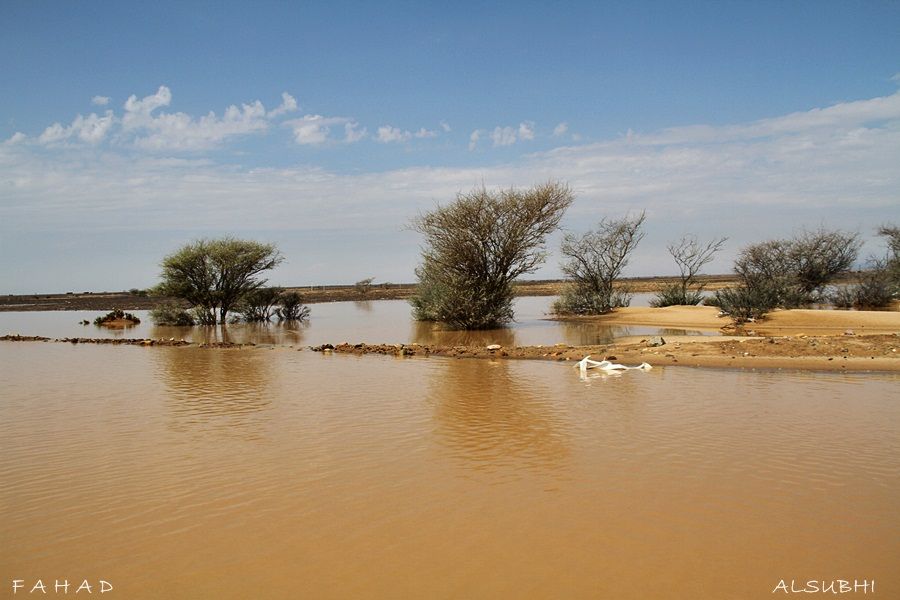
217, 389
495, 421
426, 332
236, 333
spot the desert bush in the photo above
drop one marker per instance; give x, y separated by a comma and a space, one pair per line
594, 262
116, 314
797, 269
292, 308
475, 247
676, 294
787, 273
745, 303
691, 256
171, 313
364, 286
875, 288
259, 304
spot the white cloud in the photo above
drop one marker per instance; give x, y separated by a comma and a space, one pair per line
100, 100
507, 136
312, 130
137, 112
445, 127
747, 181
473, 139
15, 138
896, 77
388, 134
526, 130
91, 129
288, 104
353, 133
560, 129
180, 131
423, 133
503, 136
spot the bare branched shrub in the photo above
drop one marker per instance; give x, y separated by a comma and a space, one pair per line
594, 261
477, 246
788, 273
879, 284
691, 256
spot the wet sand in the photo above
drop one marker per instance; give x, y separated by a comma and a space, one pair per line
786, 339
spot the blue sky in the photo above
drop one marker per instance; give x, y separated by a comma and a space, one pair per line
128, 129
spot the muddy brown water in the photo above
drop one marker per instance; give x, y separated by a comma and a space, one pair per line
274, 473
375, 322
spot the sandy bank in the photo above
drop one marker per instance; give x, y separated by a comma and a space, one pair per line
778, 322
826, 353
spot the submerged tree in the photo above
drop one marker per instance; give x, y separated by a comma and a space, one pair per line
214, 276
691, 256
259, 304
594, 261
477, 246
292, 308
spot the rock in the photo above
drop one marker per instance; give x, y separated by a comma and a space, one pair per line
494, 347
655, 341
849, 332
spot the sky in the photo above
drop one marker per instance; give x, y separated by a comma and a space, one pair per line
128, 129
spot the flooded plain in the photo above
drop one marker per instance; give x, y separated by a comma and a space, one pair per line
277, 473
374, 322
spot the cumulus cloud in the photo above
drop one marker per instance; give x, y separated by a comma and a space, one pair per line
388, 134
312, 130
560, 129
353, 132
445, 127
423, 133
503, 136
15, 138
507, 136
100, 100
526, 130
473, 139
288, 104
91, 129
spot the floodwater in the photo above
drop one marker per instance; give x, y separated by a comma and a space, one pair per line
374, 322
190, 473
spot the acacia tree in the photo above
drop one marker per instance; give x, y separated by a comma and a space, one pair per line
477, 246
214, 276
691, 256
594, 261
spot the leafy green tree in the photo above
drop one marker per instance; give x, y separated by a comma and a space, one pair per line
215, 275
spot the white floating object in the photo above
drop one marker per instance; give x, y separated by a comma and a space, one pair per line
494, 347
604, 365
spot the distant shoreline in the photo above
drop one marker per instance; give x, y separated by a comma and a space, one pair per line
315, 294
